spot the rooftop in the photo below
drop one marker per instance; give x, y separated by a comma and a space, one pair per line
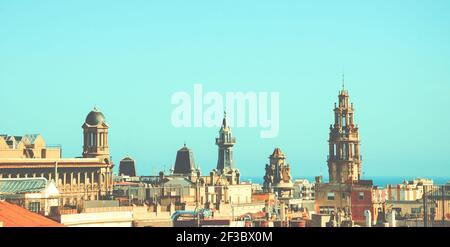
22, 185
14, 216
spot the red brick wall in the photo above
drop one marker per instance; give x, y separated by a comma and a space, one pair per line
359, 206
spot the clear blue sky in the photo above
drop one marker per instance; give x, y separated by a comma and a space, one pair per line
60, 58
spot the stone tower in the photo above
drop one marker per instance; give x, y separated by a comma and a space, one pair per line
225, 162
95, 133
278, 176
344, 159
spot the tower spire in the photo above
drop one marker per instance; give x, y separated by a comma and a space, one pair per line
224, 121
225, 143
343, 81
344, 159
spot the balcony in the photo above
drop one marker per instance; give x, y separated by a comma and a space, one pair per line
230, 142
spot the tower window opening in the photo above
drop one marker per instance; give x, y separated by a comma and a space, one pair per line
91, 139
345, 150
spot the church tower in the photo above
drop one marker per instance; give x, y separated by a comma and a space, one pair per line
225, 162
344, 159
95, 133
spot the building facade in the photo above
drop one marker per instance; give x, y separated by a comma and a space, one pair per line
35, 194
77, 179
346, 197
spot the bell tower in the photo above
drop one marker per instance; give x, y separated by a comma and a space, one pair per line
95, 133
344, 159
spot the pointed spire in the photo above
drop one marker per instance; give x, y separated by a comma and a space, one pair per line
343, 81
224, 121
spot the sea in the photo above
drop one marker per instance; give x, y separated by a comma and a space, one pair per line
380, 181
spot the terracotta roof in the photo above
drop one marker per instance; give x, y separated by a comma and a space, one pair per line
14, 216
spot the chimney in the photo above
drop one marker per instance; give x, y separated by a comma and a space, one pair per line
318, 179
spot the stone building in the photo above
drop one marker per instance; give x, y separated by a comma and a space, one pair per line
226, 168
346, 196
27, 146
186, 188
344, 159
86, 178
278, 176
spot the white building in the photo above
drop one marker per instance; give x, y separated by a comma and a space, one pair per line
408, 190
35, 194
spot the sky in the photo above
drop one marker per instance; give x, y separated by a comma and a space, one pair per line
59, 59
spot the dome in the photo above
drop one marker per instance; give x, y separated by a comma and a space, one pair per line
95, 117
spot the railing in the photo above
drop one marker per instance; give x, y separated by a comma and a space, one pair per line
230, 141
343, 158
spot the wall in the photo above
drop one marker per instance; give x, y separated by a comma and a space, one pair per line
100, 219
359, 205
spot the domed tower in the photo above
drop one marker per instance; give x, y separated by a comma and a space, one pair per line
95, 132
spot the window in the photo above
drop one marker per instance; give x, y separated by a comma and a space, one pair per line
326, 209
361, 196
330, 196
415, 211
34, 207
